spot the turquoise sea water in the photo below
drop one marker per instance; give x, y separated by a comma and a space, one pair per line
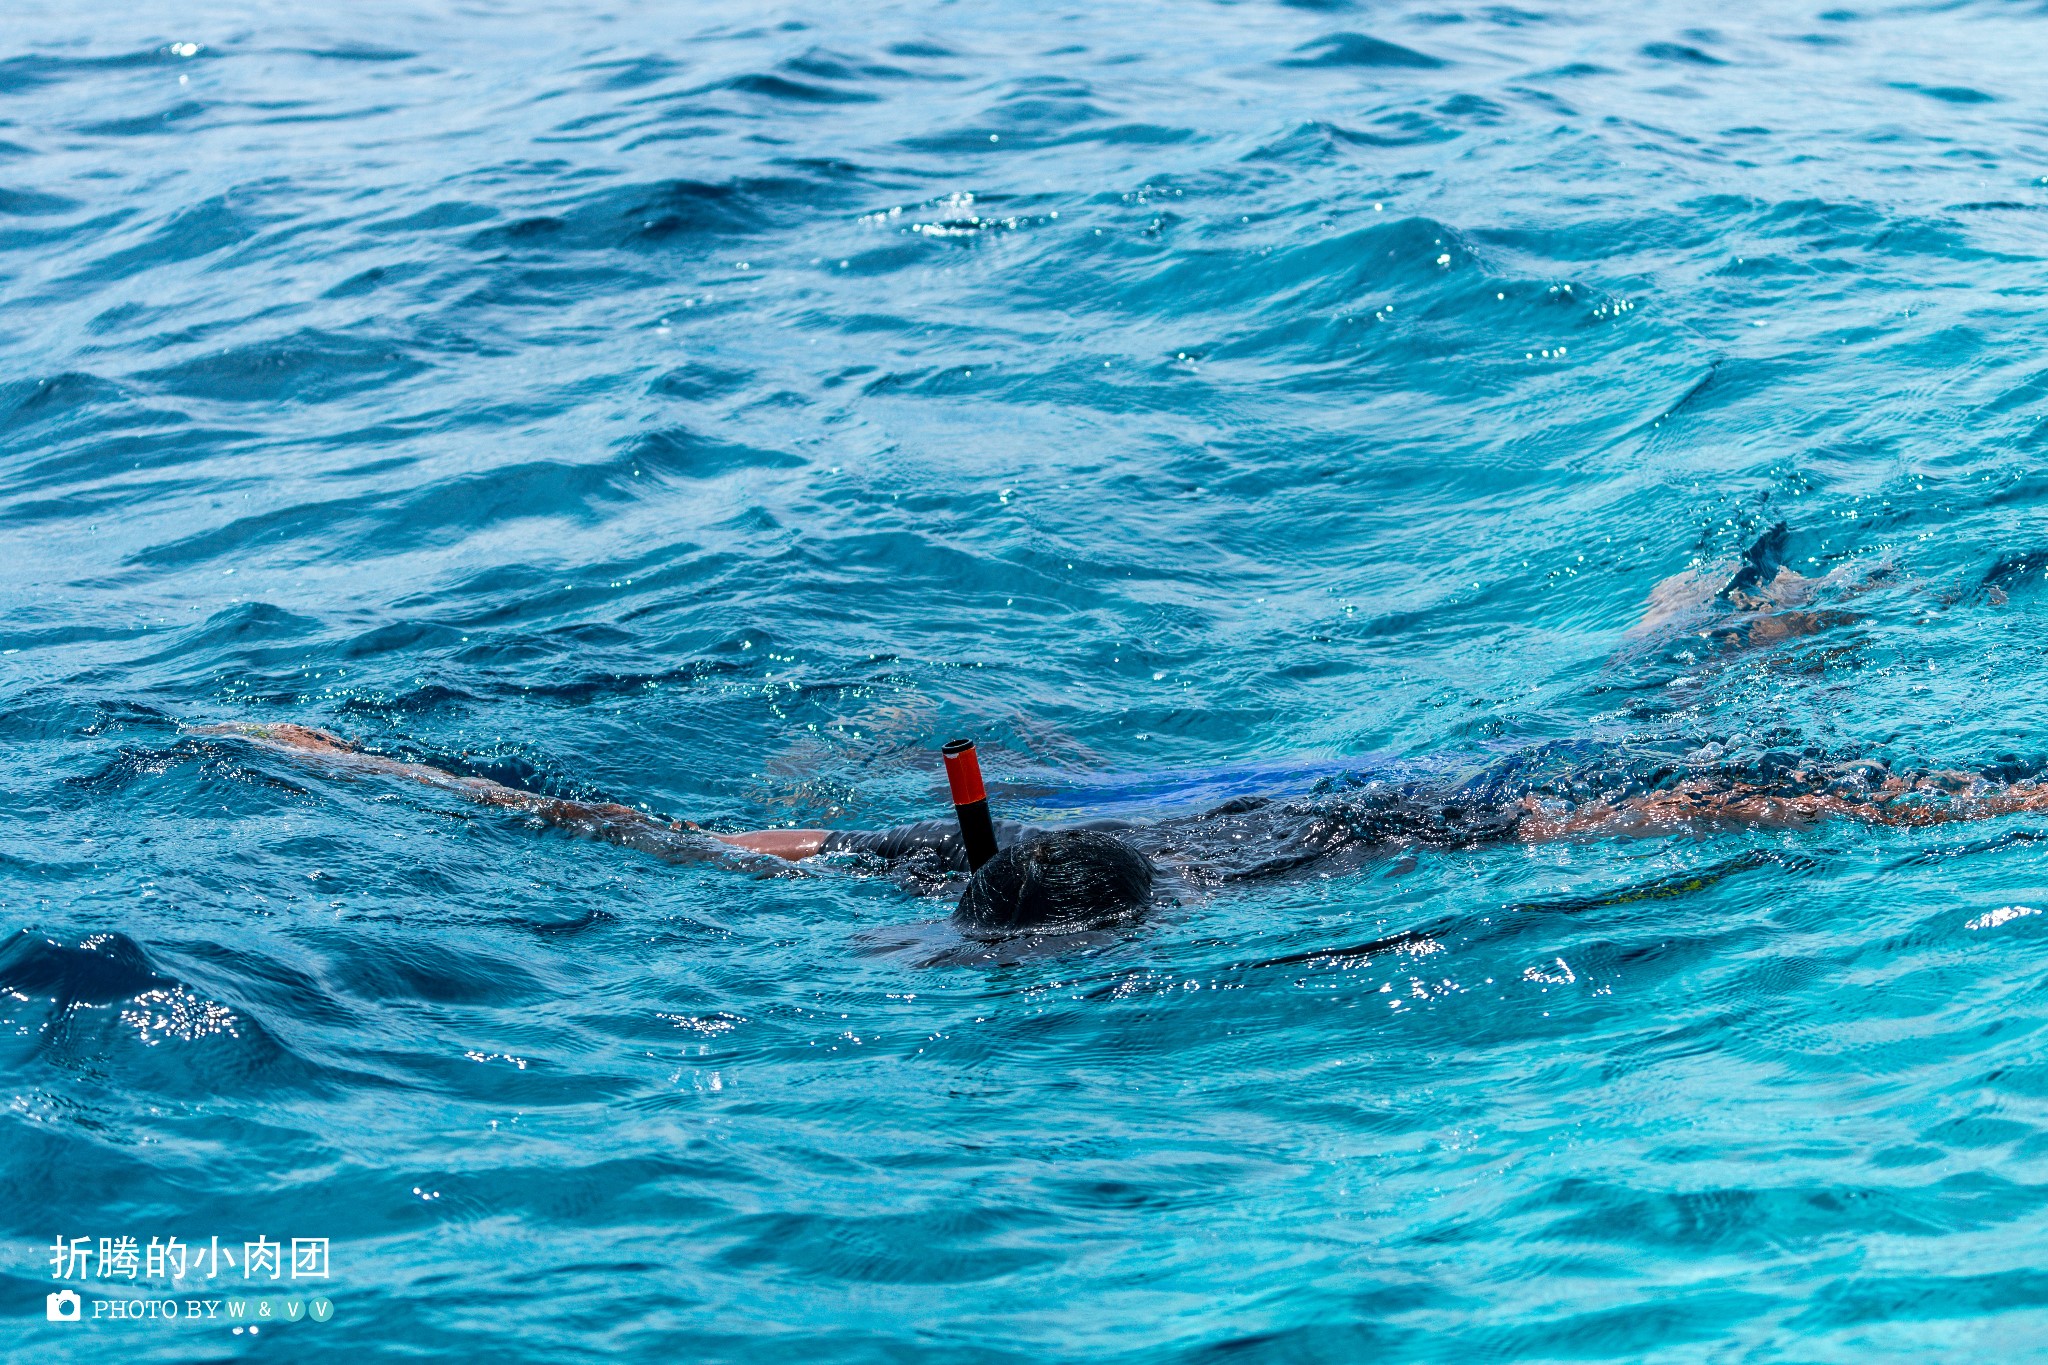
717, 407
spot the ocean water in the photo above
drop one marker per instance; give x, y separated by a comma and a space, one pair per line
717, 407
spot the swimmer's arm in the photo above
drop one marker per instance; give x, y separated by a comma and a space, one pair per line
333, 751
605, 820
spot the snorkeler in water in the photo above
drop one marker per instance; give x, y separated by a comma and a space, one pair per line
1101, 873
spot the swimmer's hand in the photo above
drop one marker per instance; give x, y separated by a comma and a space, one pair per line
790, 845
283, 735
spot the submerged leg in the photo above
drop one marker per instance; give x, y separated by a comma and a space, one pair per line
1932, 799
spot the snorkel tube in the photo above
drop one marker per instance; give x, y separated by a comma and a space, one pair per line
970, 801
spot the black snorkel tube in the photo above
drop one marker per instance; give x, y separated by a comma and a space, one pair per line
970, 801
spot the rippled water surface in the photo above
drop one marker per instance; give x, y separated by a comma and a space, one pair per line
715, 407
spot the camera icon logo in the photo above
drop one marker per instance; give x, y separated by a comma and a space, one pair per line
61, 1306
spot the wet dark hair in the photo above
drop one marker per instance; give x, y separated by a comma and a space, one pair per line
1072, 879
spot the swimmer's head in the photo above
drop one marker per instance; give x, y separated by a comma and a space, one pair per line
1074, 879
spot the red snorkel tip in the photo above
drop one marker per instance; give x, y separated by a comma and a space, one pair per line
970, 801
963, 772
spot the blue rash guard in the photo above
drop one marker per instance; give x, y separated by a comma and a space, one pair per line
1219, 825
